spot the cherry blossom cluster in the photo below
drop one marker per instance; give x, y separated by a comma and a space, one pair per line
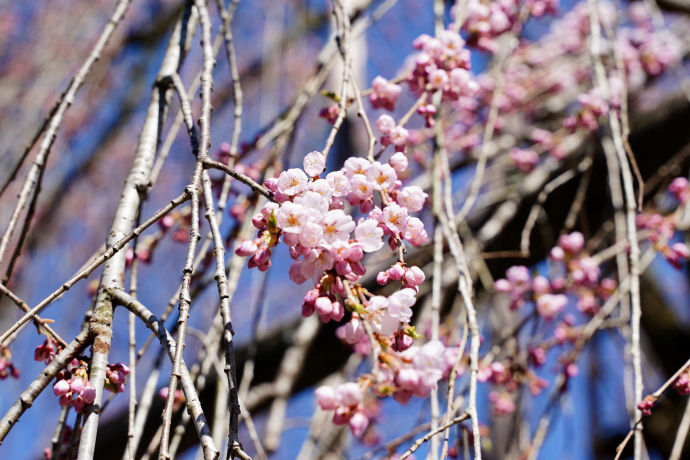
328, 245
346, 400
414, 371
442, 63
487, 20
312, 222
662, 228
74, 381
647, 404
578, 274
73, 388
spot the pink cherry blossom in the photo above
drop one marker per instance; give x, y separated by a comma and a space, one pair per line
395, 218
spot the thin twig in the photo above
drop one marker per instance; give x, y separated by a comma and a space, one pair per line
418, 443
168, 343
87, 270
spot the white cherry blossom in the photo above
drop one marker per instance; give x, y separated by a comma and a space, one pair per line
369, 235
314, 163
336, 226
292, 181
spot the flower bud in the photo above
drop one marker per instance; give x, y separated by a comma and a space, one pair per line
358, 423
61, 387
326, 398
396, 272
383, 278
414, 276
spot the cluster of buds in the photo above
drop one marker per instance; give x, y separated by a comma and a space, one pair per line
330, 113
46, 351
7, 367
443, 63
680, 188
525, 159
74, 382
346, 400
410, 276
384, 94
324, 303
682, 383
487, 20
520, 286
503, 403
395, 135
115, 377
646, 405
663, 229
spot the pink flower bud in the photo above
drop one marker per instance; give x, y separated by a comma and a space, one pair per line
262, 256
407, 379
338, 311
573, 243
502, 285
414, 276
353, 330
79, 404
323, 306
271, 184
77, 384
540, 285
557, 253
326, 398
291, 239
401, 341
343, 267
383, 278
355, 254
336, 203
358, 269
358, 423
61, 388
680, 188
341, 416
258, 221
88, 394
246, 248
366, 206
349, 394
396, 272
572, 370
65, 400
